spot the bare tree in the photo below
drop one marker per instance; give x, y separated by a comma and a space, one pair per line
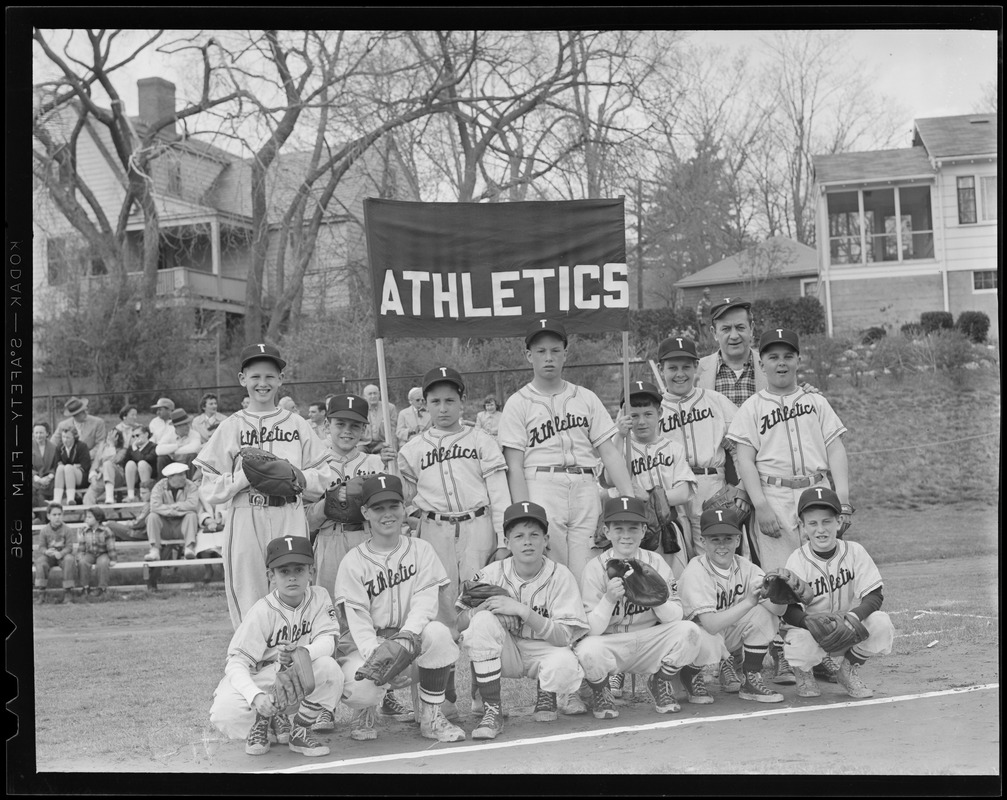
989, 99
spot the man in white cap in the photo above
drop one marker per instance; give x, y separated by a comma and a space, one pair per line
180, 441
90, 429
174, 509
162, 418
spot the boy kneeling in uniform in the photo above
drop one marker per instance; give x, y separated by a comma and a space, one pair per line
626, 637
294, 614
528, 630
721, 592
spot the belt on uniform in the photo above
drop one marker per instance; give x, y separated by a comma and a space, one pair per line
570, 470
793, 483
465, 517
259, 499
704, 470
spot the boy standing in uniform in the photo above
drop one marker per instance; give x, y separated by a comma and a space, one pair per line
254, 519
721, 592
529, 630
844, 579
294, 614
625, 637
391, 583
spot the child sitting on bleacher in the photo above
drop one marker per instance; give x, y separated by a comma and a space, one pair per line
55, 548
95, 546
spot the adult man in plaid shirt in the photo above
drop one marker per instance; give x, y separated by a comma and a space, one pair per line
731, 370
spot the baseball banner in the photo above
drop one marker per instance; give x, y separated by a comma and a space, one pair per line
487, 269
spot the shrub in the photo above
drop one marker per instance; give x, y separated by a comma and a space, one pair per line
912, 330
872, 335
974, 324
802, 314
823, 355
948, 350
649, 326
936, 321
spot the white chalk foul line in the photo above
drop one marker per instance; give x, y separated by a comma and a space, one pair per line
943, 613
653, 726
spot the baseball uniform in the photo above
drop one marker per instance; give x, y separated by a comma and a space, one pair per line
253, 519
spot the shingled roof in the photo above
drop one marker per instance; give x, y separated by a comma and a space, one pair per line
791, 259
950, 137
875, 165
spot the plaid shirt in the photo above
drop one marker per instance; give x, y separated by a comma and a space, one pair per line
97, 541
735, 389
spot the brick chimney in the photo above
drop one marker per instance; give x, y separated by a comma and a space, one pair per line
157, 101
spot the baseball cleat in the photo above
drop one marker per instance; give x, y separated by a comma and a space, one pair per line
434, 725
326, 721
257, 741
603, 704
545, 706
491, 725
827, 671
807, 686
664, 694
362, 725
616, 682
849, 678
279, 729
392, 707
729, 680
698, 693
571, 705
754, 688
301, 741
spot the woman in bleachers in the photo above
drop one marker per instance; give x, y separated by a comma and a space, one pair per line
72, 466
140, 462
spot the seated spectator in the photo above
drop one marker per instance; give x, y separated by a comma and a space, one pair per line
73, 464
133, 530
180, 444
108, 469
162, 418
174, 507
43, 464
245, 401
55, 548
489, 418
95, 546
128, 420
287, 404
90, 429
206, 423
414, 419
374, 434
140, 463
316, 416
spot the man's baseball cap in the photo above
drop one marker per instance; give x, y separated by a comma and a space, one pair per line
174, 468
719, 521
289, 550
726, 304
164, 402
381, 487
256, 351
347, 406
180, 416
443, 375
525, 510
74, 406
779, 336
642, 387
819, 496
541, 326
624, 509
677, 347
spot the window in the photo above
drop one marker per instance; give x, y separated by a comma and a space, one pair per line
984, 280
989, 197
809, 287
872, 225
976, 206
966, 200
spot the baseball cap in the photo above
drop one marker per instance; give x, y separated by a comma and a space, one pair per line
819, 496
347, 406
443, 375
629, 509
777, 335
541, 326
174, 468
719, 521
289, 550
675, 346
381, 487
525, 510
164, 402
726, 304
642, 387
261, 350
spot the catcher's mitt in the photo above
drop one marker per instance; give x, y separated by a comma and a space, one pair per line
343, 502
475, 593
644, 585
271, 475
293, 682
498, 555
726, 498
784, 587
389, 658
836, 631
847, 513
662, 530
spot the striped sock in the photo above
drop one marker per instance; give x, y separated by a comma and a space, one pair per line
754, 657
488, 679
449, 691
433, 683
854, 657
307, 714
668, 671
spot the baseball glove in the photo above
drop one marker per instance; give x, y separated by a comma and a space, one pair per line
847, 512
726, 498
271, 475
662, 530
390, 657
343, 502
293, 682
784, 587
498, 555
836, 631
475, 593
644, 585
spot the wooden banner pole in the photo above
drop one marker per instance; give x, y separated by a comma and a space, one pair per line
379, 344
625, 394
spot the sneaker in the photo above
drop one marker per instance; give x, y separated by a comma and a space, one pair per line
190, 550
615, 683
130, 497
99, 591
784, 675
754, 688
807, 686
434, 725
362, 725
477, 706
392, 707
449, 710
827, 671
664, 694
301, 741
491, 725
571, 705
257, 741
699, 695
153, 555
326, 721
602, 702
279, 729
545, 706
729, 680
849, 677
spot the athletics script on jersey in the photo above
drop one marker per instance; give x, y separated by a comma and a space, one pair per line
485, 269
